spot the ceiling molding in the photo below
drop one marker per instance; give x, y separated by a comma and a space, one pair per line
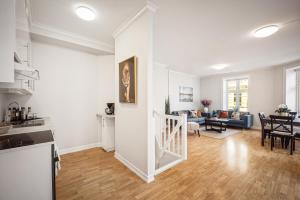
150, 6
42, 30
62, 37
44, 33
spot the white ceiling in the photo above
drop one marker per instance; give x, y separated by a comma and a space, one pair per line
59, 14
192, 35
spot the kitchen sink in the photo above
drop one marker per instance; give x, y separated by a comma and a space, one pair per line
30, 123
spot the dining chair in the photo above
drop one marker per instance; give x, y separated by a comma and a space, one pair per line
282, 127
265, 128
296, 129
293, 114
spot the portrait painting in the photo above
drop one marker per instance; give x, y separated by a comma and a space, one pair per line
127, 80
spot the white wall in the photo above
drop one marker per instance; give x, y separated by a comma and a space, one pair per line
265, 90
180, 79
106, 81
134, 139
70, 91
160, 88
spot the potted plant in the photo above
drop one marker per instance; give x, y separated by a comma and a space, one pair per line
206, 103
167, 106
283, 110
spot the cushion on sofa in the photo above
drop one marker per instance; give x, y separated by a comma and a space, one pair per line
199, 113
193, 114
235, 115
223, 114
228, 111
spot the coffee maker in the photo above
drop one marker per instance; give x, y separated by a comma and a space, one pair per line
110, 110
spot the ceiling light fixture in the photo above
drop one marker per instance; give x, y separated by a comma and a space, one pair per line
266, 31
85, 13
219, 66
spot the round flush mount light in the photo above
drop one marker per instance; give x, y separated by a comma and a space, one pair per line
219, 66
85, 12
266, 31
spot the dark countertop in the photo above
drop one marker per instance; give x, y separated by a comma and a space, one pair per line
25, 139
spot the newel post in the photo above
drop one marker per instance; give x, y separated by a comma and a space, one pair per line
184, 137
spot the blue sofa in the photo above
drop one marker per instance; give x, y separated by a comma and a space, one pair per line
245, 121
200, 120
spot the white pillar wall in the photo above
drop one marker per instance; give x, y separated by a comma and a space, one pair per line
134, 135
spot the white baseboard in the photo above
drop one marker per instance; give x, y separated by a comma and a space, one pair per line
168, 166
79, 148
137, 171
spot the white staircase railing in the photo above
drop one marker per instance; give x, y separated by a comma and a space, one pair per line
170, 139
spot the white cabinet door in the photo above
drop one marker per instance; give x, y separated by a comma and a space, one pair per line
7, 40
26, 174
108, 133
23, 46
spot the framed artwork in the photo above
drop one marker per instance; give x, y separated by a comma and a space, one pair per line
185, 94
127, 81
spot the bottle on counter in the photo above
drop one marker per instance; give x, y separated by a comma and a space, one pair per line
17, 114
29, 114
8, 115
13, 114
23, 114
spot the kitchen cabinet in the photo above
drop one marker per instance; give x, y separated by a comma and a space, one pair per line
17, 75
27, 169
21, 87
107, 132
23, 42
7, 40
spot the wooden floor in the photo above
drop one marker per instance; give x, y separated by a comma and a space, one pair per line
234, 168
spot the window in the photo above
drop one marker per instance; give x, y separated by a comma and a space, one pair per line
236, 94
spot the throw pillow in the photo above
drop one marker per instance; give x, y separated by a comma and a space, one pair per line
199, 113
235, 115
193, 114
223, 114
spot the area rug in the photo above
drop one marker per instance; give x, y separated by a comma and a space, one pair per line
216, 135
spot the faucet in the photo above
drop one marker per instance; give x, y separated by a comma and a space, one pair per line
16, 103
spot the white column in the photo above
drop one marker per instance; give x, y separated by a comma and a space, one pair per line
134, 132
184, 137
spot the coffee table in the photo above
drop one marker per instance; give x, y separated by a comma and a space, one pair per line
220, 123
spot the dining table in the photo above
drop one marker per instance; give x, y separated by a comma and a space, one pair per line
296, 122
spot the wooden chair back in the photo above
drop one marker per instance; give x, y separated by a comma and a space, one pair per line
282, 123
262, 118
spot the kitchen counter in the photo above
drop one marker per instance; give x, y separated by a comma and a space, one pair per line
46, 126
29, 160
27, 137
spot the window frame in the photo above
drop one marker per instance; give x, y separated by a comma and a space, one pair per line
225, 92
